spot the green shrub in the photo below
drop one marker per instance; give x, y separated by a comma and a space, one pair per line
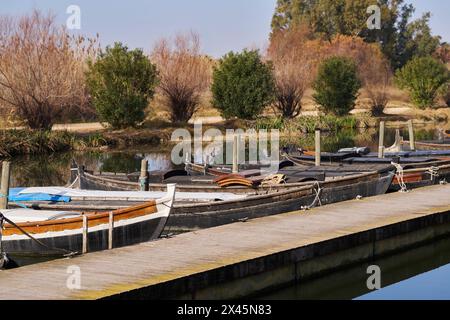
121, 83
243, 85
337, 85
423, 77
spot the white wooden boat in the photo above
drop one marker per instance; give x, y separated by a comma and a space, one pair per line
28, 232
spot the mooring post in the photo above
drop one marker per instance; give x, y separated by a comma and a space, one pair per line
412, 139
143, 179
381, 142
235, 154
318, 152
110, 230
85, 235
6, 171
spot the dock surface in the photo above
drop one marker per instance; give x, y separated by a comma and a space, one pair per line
208, 252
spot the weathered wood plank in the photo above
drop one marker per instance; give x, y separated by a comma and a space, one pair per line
119, 270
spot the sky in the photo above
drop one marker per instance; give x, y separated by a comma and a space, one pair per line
223, 25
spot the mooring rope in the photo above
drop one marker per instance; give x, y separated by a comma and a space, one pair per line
433, 172
400, 177
73, 183
318, 192
67, 253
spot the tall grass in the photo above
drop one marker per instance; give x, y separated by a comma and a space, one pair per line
20, 142
308, 124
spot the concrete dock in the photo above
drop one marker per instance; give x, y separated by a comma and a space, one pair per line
242, 259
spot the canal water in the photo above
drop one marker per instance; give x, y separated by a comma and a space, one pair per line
418, 274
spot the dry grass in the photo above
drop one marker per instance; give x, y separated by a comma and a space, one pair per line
399, 105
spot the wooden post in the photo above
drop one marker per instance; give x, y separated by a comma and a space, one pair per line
381, 142
235, 154
412, 139
143, 179
85, 234
6, 171
110, 230
318, 152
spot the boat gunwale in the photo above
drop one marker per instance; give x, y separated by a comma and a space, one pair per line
93, 217
287, 189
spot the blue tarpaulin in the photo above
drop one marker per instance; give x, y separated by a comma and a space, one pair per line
14, 196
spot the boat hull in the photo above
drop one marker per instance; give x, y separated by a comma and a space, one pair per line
436, 145
130, 234
424, 177
28, 233
188, 217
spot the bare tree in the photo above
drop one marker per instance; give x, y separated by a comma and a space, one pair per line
42, 69
185, 74
295, 57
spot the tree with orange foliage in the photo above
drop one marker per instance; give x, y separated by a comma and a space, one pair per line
373, 68
42, 69
185, 74
295, 58
443, 53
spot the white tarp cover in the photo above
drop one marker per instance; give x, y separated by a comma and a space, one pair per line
30, 215
144, 195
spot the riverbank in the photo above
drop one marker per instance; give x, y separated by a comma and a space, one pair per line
157, 133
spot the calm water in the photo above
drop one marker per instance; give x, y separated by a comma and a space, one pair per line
419, 274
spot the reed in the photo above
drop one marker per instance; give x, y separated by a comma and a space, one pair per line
21, 142
308, 124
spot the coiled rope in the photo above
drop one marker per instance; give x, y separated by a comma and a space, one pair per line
399, 174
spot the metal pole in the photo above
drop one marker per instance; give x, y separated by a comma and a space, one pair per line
318, 152
6, 171
381, 142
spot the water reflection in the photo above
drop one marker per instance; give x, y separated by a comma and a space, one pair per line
54, 170
421, 273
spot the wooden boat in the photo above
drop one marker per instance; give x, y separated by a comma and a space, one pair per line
31, 232
399, 152
442, 143
257, 202
432, 145
185, 183
419, 175
416, 172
